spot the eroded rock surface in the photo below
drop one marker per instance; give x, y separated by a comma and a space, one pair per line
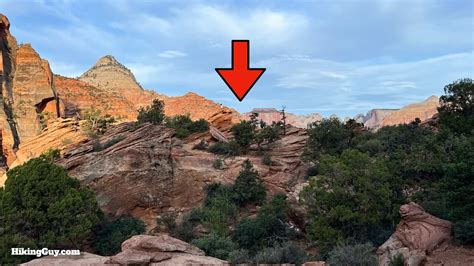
417, 235
139, 250
148, 171
424, 110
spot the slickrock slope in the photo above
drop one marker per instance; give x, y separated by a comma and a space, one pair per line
140, 250
269, 115
156, 172
421, 237
424, 110
375, 116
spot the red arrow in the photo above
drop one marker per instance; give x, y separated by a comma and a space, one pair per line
240, 78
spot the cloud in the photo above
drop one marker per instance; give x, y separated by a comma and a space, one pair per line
172, 54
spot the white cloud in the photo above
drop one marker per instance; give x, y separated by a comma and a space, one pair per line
172, 54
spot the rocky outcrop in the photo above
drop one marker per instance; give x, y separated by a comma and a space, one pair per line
417, 235
375, 116
158, 173
139, 250
270, 115
424, 111
27, 92
161, 250
79, 96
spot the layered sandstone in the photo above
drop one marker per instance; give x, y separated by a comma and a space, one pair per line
424, 111
423, 239
156, 172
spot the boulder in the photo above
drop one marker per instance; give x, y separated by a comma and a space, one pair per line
416, 236
85, 259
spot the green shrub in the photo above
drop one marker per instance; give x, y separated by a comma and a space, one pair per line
397, 260
50, 155
218, 209
353, 255
95, 123
230, 149
239, 256
41, 206
168, 221
287, 253
215, 245
110, 238
218, 163
184, 230
267, 159
244, 133
98, 146
269, 226
247, 187
184, 126
152, 114
464, 231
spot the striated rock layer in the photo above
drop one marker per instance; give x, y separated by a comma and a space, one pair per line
156, 172
423, 239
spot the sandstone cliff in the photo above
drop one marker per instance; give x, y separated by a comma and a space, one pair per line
424, 110
27, 92
270, 115
375, 116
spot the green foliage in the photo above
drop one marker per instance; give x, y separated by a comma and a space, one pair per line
98, 146
267, 159
457, 106
350, 197
184, 126
397, 260
247, 187
286, 253
268, 134
464, 231
353, 255
108, 240
95, 123
244, 133
218, 209
152, 114
239, 256
50, 155
329, 137
41, 206
228, 149
269, 226
218, 163
215, 245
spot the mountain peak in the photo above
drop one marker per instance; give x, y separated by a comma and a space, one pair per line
107, 60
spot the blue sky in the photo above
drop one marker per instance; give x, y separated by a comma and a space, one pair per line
333, 57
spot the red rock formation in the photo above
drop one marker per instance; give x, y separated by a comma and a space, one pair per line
139, 250
156, 172
424, 110
78, 96
375, 116
418, 235
270, 115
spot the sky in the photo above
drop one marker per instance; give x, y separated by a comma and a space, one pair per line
340, 57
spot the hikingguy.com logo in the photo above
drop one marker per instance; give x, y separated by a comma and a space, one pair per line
45, 252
